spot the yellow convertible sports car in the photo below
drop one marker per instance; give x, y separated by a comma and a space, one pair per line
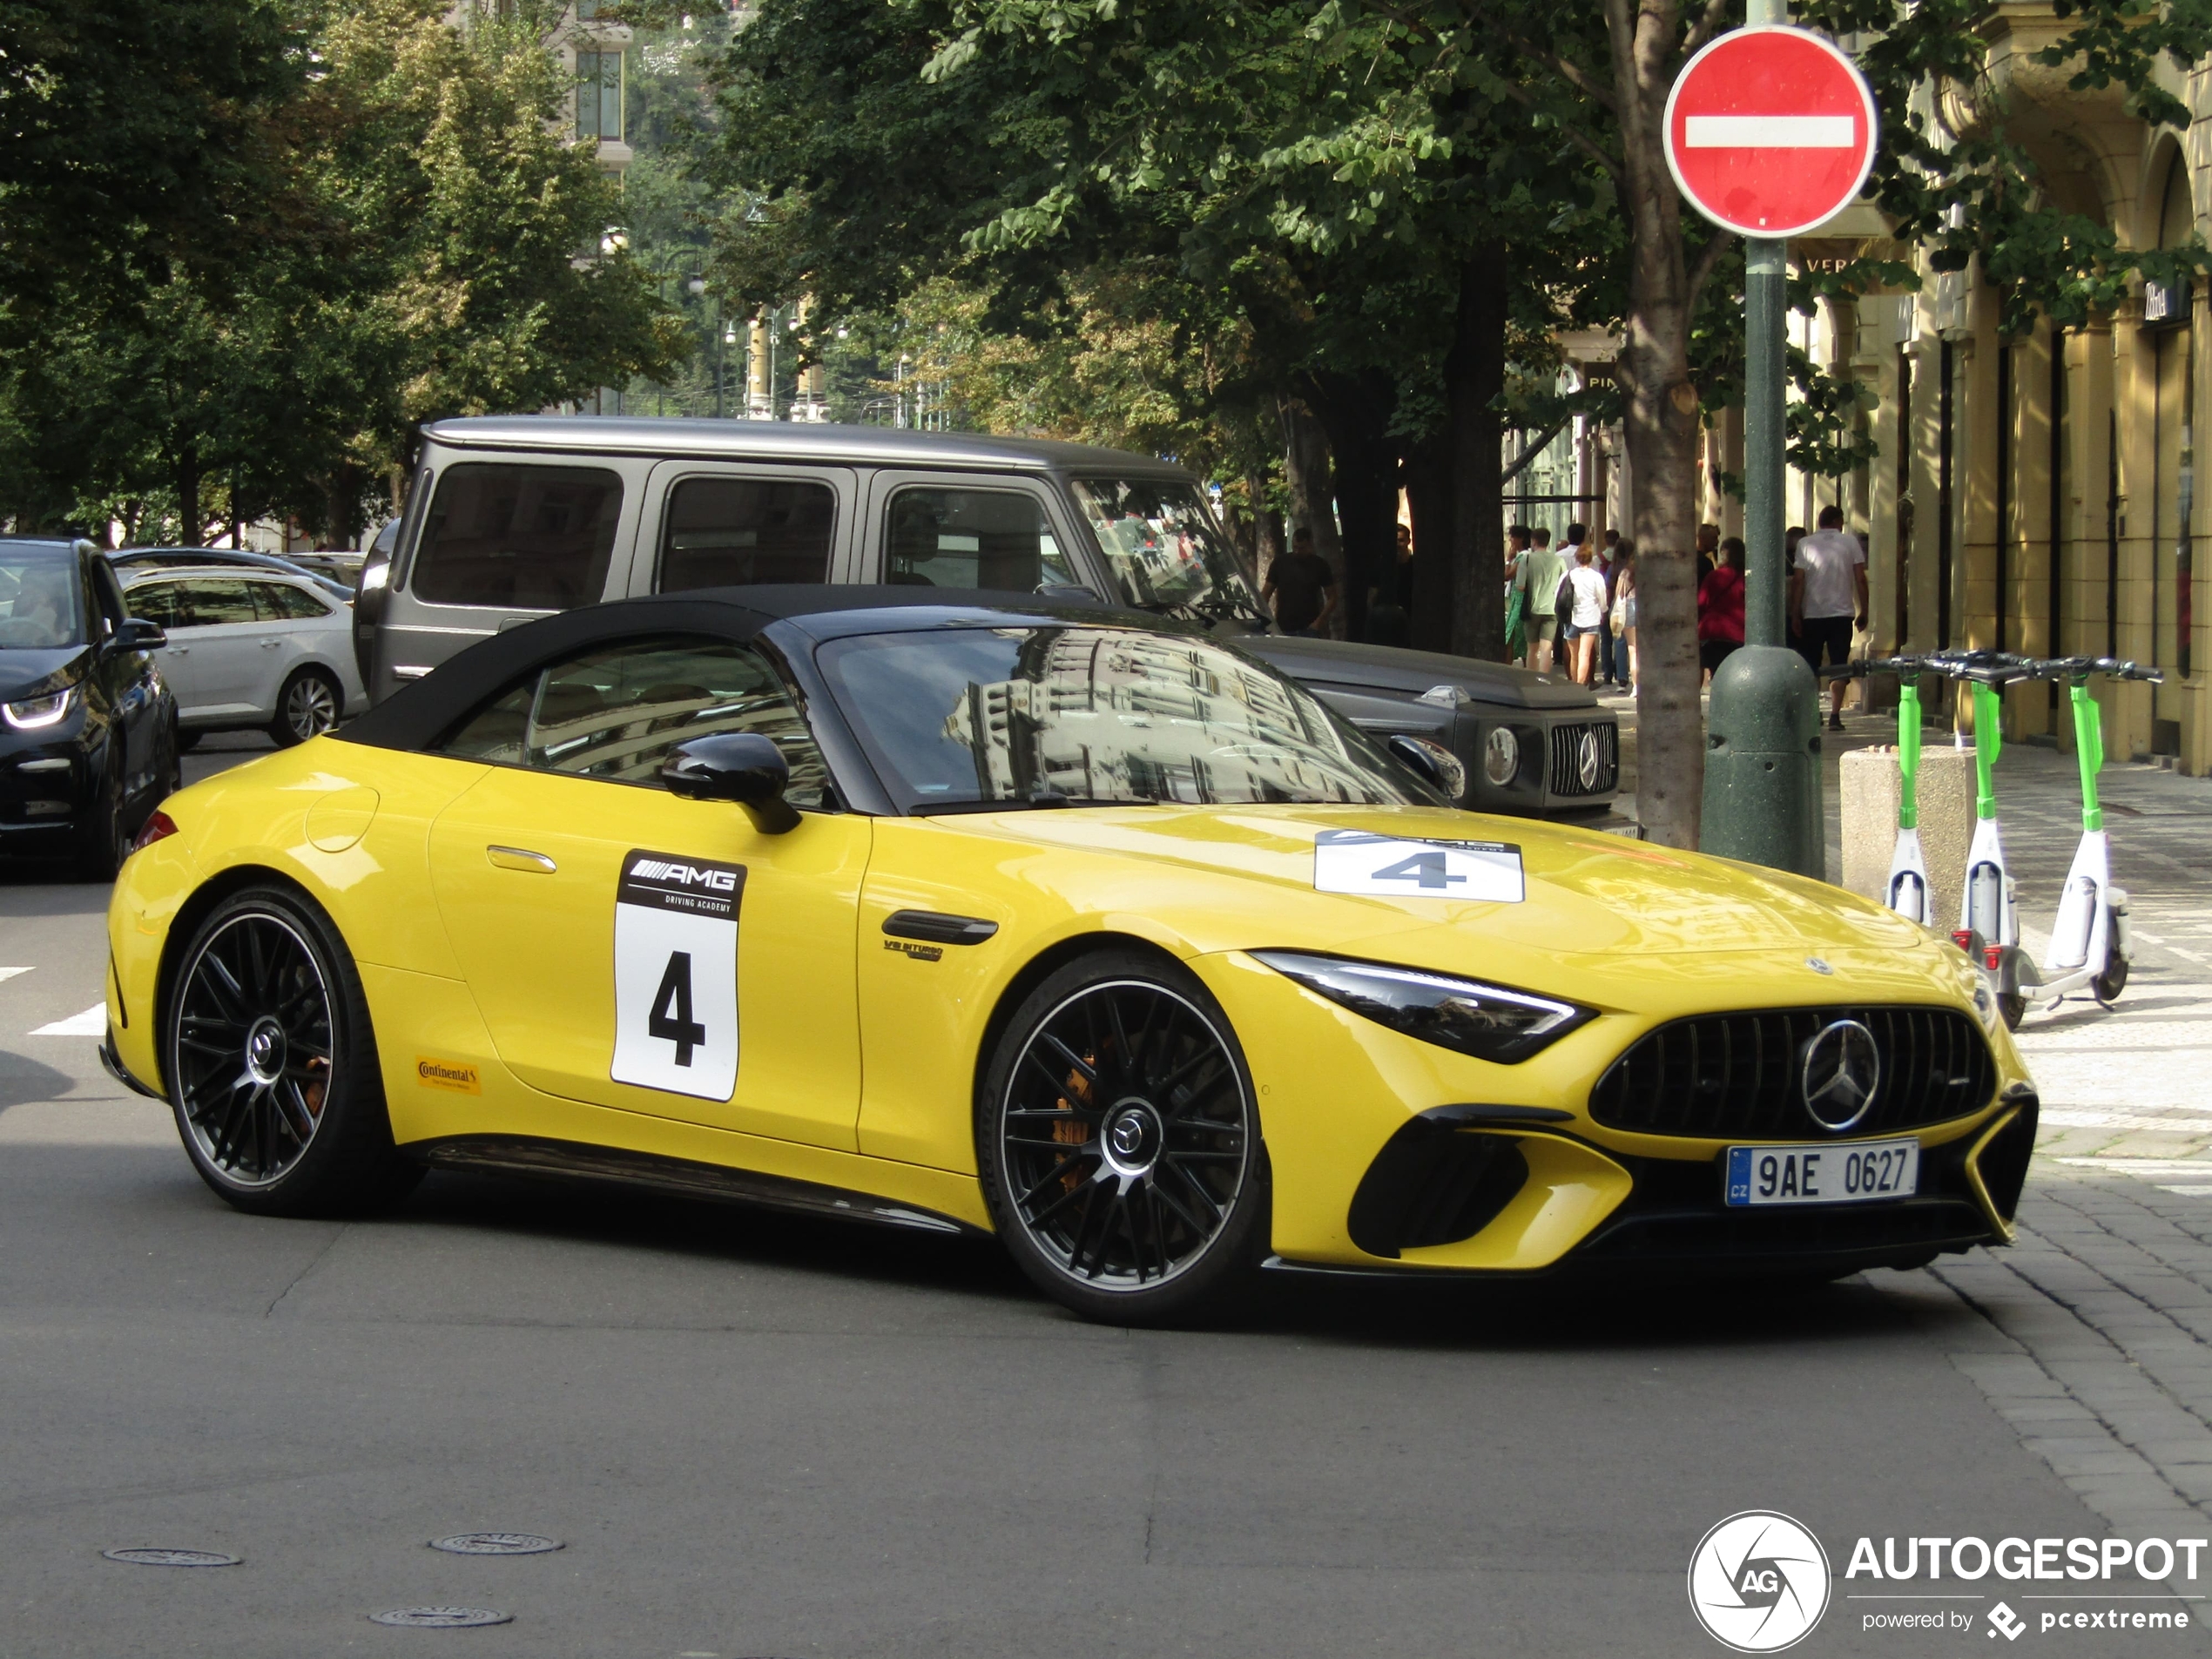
1047, 921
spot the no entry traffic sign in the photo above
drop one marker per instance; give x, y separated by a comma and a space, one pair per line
1769, 130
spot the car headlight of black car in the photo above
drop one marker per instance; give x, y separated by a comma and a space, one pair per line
1489, 1021
36, 713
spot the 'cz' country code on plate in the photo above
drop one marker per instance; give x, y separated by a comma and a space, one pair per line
1841, 1172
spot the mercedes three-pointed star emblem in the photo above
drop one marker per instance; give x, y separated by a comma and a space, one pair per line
1842, 1067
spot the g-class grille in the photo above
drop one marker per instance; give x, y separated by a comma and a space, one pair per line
1586, 758
1741, 1075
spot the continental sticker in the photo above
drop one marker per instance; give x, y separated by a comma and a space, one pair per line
457, 1076
1383, 866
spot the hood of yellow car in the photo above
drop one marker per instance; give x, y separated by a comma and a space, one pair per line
1588, 894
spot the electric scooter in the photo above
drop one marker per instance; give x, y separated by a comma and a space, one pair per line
2090, 944
1907, 892
1988, 926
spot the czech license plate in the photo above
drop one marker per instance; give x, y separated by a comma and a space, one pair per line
1850, 1172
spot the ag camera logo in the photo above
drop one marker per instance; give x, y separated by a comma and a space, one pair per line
1758, 1581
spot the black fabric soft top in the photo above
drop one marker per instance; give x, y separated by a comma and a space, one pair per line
418, 714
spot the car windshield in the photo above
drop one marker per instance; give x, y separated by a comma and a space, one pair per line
1165, 552
38, 601
967, 718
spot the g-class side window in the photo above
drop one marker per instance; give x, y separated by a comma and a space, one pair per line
972, 538
521, 537
735, 532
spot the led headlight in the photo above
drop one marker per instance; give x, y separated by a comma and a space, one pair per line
1487, 1021
1500, 756
34, 714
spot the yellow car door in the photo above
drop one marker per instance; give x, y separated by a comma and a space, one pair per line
631, 948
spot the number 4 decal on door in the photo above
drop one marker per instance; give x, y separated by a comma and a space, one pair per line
1479, 871
675, 974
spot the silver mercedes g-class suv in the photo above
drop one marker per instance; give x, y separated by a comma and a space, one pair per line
513, 517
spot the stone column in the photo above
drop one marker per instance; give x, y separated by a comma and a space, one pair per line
760, 403
1924, 419
2134, 390
1876, 366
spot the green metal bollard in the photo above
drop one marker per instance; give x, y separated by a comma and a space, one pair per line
1762, 762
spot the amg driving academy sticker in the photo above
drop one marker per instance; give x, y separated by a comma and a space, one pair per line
675, 974
1353, 861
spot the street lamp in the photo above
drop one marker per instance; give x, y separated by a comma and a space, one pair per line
697, 287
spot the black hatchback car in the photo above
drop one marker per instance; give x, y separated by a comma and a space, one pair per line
88, 731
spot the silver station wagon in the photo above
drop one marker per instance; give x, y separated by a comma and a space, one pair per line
513, 517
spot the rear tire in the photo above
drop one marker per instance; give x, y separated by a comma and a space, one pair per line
271, 1067
309, 705
188, 739
1119, 1144
2014, 1007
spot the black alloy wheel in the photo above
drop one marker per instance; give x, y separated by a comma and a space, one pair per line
1119, 1145
307, 707
272, 1064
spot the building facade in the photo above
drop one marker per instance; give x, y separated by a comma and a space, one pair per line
2035, 492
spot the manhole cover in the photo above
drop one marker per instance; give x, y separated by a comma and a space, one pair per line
495, 1543
170, 1557
440, 1618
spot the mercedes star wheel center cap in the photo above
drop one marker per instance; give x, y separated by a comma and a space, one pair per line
264, 1050
1842, 1067
1132, 1138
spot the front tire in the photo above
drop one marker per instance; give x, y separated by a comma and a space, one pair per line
107, 831
1119, 1143
2109, 984
307, 706
272, 1064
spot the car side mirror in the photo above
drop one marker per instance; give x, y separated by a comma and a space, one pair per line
740, 766
137, 634
1434, 763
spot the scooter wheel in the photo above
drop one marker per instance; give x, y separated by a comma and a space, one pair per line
2109, 984
2011, 1005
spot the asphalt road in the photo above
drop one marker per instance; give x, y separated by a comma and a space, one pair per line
758, 1436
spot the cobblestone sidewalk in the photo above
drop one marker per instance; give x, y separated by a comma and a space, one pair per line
2097, 1320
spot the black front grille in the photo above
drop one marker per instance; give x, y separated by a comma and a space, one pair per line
1567, 759
1741, 1075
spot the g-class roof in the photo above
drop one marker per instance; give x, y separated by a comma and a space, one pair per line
787, 441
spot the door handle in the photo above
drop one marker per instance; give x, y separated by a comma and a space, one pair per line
517, 857
271, 644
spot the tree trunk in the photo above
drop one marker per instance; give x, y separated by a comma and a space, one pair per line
1354, 411
192, 529
1428, 492
1305, 465
1474, 376
1661, 430
1267, 526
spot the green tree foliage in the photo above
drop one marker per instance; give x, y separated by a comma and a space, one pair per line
421, 240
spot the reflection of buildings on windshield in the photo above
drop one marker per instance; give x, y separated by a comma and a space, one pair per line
1105, 715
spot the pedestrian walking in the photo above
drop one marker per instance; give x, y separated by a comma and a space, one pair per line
1720, 608
1301, 588
1609, 644
1584, 598
1541, 572
1709, 546
1828, 599
1517, 594
1624, 606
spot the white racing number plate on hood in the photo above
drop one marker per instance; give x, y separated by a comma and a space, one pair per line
1481, 871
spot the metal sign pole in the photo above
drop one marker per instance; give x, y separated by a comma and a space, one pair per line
1762, 799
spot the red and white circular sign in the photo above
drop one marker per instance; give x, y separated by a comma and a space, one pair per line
1770, 131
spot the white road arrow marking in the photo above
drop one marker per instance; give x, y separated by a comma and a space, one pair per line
91, 1023
10, 973
1769, 131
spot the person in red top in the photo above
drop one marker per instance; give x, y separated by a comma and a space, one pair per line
1720, 607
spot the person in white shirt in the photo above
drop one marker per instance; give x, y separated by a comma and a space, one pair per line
1827, 600
1586, 620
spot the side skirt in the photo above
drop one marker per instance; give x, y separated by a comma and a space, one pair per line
520, 1155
